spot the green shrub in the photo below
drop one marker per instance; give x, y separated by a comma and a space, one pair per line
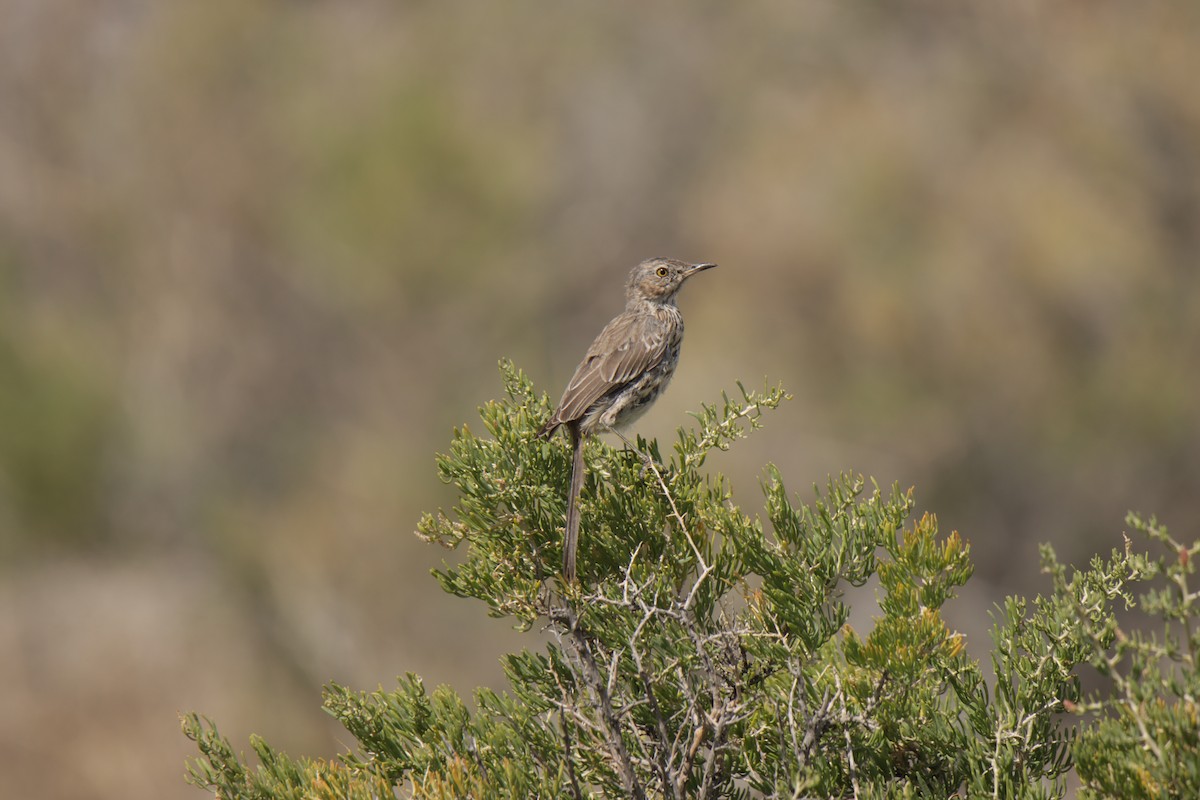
703, 656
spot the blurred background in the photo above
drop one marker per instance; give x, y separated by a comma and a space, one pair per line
258, 258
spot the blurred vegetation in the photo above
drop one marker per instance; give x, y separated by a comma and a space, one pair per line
257, 258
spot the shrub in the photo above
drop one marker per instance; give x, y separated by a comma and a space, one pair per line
704, 654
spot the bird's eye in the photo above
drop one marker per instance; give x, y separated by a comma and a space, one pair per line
661, 272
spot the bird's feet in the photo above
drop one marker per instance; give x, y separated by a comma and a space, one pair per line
648, 461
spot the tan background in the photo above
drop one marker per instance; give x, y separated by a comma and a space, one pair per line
258, 258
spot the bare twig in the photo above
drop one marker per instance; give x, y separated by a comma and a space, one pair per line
565, 705
572, 778
663, 763
715, 751
689, 760
846, 730
582, 648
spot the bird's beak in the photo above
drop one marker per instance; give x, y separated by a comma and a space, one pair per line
694, 268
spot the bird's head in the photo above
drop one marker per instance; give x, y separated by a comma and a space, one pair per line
658, 279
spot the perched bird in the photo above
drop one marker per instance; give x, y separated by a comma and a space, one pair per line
625, 370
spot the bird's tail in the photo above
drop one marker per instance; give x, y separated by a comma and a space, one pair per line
571, 534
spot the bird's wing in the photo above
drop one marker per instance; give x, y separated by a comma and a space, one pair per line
627, 347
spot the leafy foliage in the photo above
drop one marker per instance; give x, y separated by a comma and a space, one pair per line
1146, 743
703, 656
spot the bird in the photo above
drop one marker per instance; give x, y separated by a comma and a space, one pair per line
624, 371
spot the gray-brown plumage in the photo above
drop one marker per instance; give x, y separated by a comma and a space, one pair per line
625, 370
